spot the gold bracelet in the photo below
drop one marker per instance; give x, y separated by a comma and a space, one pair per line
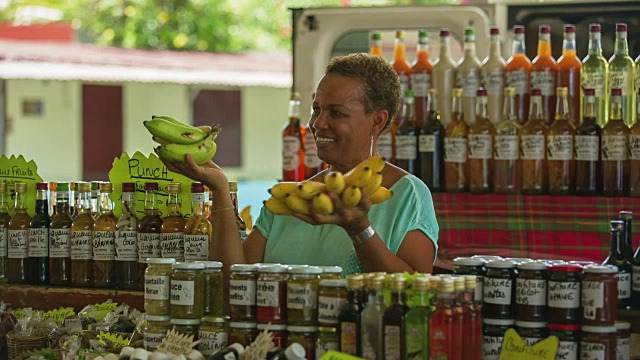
223, 209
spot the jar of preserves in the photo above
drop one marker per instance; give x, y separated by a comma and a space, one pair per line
492, 337
327, 340
531, 291
213, 335
518, 261
187, 290
498, 290
532, 331
155, 331
332, 297
569, 339
302, 295
599, 295
623, 340
213, 289
471, 266
271, 294
563, 294
330, 272
157, 278
598, 342
278, 333
243, 333
186, 326
305, 336
242, 292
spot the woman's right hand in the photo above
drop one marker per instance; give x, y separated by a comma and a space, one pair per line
209, 173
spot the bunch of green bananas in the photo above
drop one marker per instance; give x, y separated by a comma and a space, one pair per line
177, 139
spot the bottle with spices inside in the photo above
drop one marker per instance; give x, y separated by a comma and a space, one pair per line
421, 70
393, 321
38, 264
531, 291
480, 160
622, 70
18, 237
431, 146
312, 164
506, 152
417, 321
5, 218
59, 237
242, 227
271, 294
517, 73
569, 67
493, 77
544, 73
104, 236
599, 295
242, 292
532, 149
563, 294
456, 169
172, 229
594, 74
561, 165
407, 137
617, 258
399, 63
441, 334
371, 320
614, 149
149, 229
444, 78
81, 236
126, 243
350, 320
197, 231
375, 44
634, 157
587, 149
292, 150
468, 76
498, 290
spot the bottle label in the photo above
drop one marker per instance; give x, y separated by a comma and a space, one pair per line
172, 245
480, 146
624, 285
619, 80
404, 82
560, 147
60, 243
322, 347
182, 292
507, 147
196, 247
455, 150
623, 349
493, 81
392, 345
385, 145
634, 147
594, 80
268, 294
126, 246
416, 341
532, 147
211, 342
129, 196
81, 245
148, 246
38, 242
420, 83
406, 148
329, 309
242, 292
152, 341
567, 350
156, 287
497, 291
469, 82
565, 295
635, 278
348, 338
592, 351
592, 298
518, 79
200, 197
104, 245
301, 296
491, 346
531, 292
614, 148
427, 143
587, 148
545, 81
3, 242
290, 153
311, 159
18, 244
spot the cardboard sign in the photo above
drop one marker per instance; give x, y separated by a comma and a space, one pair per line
335, 355
515, 348
118, 341
17, 169
177, 344
59, 315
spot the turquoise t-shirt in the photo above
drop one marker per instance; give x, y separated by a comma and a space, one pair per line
293, 241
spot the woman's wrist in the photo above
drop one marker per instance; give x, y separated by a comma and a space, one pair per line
355, 229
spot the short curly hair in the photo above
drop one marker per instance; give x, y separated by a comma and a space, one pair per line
380, 84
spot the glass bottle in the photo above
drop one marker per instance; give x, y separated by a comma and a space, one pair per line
544, 73
240, 224
38, 263
18, 237
375, 45
561, 165
532, 148
421, 70
292, 151
371, 320
493, 77
407, 137
75, 194
417, 321
594, 75
126, 267
506, 178
480, 160
587, 148
5, 218
461, 319
95, 193
444, 77
622, 71
197, 231
569, 67
399, 62
149, 230
614, 148
431, 146
60, 238
393, 321
104, 238
81, 233
441, 322
627, 218
517, 73
456, 170
350, 320
474, 349
386, 142
617, 258
634, 158
468, 76
635, 273
312, 163
172, 229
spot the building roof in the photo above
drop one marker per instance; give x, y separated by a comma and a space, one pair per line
43, 60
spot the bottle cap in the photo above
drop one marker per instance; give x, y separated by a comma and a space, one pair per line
295, 351
456, 92
446, 285
295, 328
95, 185
185, 321
600, 269
211, 264
494, 31
571, 268
626, 215
331, 270
422, 283
233, 186
564, 327
106, 187
595, 27
423, 36
622, 325
599, 329
158, 317
444, 32
469, 33
569, 28
295, 95
174, 188
238, 348
544, 29
128, 187
243, 268
458, 283
400, 34
84, 187
533, 266
617, 225
20, 187
376, 35
309, 270
616, 92
620, 27
518, 29
589, 92
397, 282
61, 186
501, 264
562, 91
536, 92
408, 94
470, 282
355, 281
42, 186
151, 186
531, 324
197, 188
273, 269
188, 266
499, 322
333, 283
161, 261
375, 282
509, 91
481, 92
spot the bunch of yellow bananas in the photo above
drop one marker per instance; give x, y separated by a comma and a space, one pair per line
177, 139
293, 197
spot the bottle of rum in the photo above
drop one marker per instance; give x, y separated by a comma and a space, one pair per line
594, 75
493, 77
407, 137
197, 231
312, 163
126, 267
622, 70
614, 148
240, 224
172, 230
292, 151
468, 76
393, 321
517, 72
441, 334
81, 235
444, 77
634, 158
375, 45
562, 166
480, 160
149, 230
506, 178
350, 320
569, 67
104, 238
456, 169
431, 146
587, 148
417, 321
38, 265
421, 70
18, 237
371, 320
532, 149
5, 218
400, 63
617, 258
544, 74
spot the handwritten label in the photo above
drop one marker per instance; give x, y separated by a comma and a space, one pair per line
329, 309
152, 341
565, 295
172, 245
404, 82
420, 83
545, 81
16, 169
242, 292
102, 309
126, 245
385, 145
567, 350
532, 147
614, 148
118, 341
592, 298
619, 80
59, 315
635, 278
104, 245
311, 159
469, 82
491, 346
148, 246
623, 348
60, 243
587, 148
531, 292
515, 348
211, 342
560, 147
38, 242
268, 294
493, 81
480, 146
182, 292
427, 143
634, 147
624, 285
507, 147
3, 241
290, 153
18, 244
497, 291
196, 247
177, 344
302, 296
592, 351
518, 79
406, 147
594, 80
455, 150
156, 287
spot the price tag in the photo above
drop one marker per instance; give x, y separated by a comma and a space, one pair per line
118, 341
177, 344
16, 169
59, 315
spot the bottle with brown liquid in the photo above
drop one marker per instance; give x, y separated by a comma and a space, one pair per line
468, 76
517, 71
292, 151
75, 199
149, 230
400, 63
532, 149
431, 146
444, 77
5, 218
614, 148
407, 137
197, 231
393, 321
493, 77
81, 235
506, 178
349, 318
560, 148
240, 224
587, 148
634, 157
126, 267
104, 237
60, 238
38, 264
456, 170
172, 230
18, 237
95, 193
569, 67
421, 70
480, 160
544, 74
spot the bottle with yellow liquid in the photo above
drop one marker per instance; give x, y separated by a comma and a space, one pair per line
81, 239
104, 238
172, 230
506, 178
456, 169
561, 164
197, 231
532, 148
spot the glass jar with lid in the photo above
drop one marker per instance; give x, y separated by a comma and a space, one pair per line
271, 294
518, 261
599, 295
531, 291
278, 333
532, 331
155, 330
186, 326
306, 336
157, 278
213, 335
569, 339
213, 289
498, 290
187, 290
563, 294
493, 336
332, 297
330, 272
243, 333
327, 340
242, 292
623, 340
598, 342
471, 266
302, 295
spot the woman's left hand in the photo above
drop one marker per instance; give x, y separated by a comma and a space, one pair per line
352, 219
